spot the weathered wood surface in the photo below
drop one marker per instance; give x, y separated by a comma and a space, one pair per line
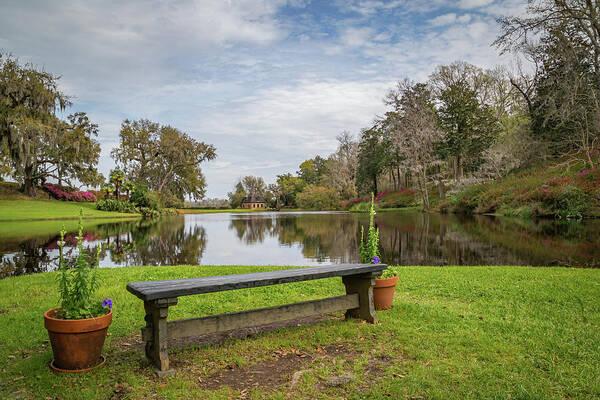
362, 285
225, 322
156, 322
183, 287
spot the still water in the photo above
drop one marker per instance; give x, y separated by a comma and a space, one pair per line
305, 238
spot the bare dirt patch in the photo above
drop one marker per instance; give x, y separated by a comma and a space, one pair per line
275, 373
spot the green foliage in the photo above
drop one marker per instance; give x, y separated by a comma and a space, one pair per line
36, 143
547, 190
371, 158
312, 170
107, 188
116, 205
289, 186
236, 197
570, 202
77, 286
389, 273
318, 198
117, 177
470, 128
142, 197
164, 158
369, 249
362, 207
149, 212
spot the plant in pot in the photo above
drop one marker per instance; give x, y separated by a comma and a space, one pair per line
78, 328
385, 285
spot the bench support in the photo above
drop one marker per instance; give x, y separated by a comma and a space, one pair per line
155, 334
363, 286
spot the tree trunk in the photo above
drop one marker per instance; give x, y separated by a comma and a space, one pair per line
424, 190
440, 184
28, 187
458, 168
375, 183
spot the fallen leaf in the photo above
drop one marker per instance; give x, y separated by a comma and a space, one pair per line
125, 344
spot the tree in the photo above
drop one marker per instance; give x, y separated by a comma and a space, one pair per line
289, 187
254, 186
37, 143
312, 170
371, 158
128, 186
318, 197
107, 188
341, 166
415, 131
469, 128
237, 196
562, 38
117, 177
164, 158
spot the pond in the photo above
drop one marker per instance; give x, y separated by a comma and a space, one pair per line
305, 238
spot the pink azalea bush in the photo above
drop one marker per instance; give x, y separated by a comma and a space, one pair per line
65, 194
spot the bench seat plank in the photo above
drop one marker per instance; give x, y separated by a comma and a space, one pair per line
173, 288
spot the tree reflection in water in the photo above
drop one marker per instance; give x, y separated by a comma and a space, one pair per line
406, 238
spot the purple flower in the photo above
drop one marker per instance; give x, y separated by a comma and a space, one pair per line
107, 303
375, 260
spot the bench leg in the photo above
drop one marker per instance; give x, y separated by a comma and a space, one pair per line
363, 285
155, 334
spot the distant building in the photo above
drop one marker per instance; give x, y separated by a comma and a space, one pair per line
253, 202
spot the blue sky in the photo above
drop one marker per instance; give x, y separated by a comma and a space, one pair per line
269, 82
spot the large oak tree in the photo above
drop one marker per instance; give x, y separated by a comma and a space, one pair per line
164, 158
36, 143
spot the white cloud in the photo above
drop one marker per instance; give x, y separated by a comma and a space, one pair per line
469, 4
268, 88
444, 19
356, 37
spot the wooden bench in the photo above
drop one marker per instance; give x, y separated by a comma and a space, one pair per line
158, 296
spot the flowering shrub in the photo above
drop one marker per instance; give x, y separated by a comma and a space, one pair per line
68, 194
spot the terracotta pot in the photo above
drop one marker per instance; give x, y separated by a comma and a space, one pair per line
76, 343
383, 292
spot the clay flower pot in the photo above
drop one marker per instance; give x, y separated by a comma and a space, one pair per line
383, 292
76, 343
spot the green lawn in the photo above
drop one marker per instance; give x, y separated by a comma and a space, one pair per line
18, 210
454, 333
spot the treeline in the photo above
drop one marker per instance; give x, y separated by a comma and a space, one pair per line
466, 124
320, 183
37, 146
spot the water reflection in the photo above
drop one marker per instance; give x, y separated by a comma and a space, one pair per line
406, 238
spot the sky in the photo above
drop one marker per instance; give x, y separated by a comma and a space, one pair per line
270, 83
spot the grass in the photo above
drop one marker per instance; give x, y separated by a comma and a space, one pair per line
21, 210
555, 189
454, 333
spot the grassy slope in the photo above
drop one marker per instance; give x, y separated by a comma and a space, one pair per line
454, 333
544, 190
17, 210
